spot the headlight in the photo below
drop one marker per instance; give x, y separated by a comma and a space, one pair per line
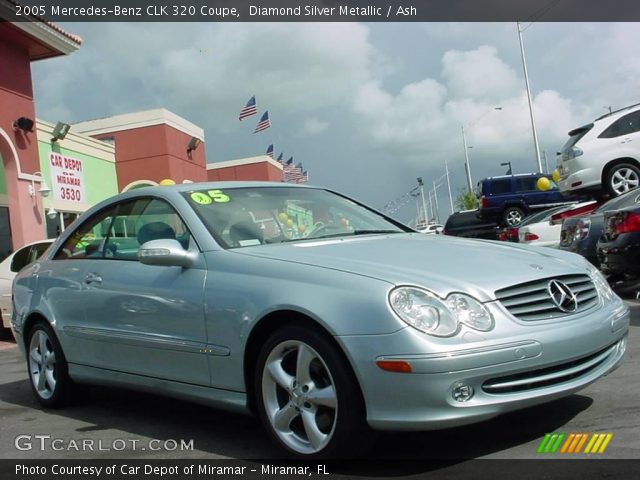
426, 312
603, 287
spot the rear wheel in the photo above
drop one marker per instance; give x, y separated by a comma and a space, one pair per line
306, 395
622, 178
47, 366
512, 216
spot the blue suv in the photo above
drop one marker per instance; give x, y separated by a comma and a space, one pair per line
508, 199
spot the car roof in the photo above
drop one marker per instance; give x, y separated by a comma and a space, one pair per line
498, 177
618, 113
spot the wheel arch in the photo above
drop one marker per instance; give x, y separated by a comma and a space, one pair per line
28, 324
269, 324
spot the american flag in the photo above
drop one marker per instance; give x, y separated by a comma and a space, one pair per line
293, 173
304, 178
249, 109
270, 150
280, 157
264, 123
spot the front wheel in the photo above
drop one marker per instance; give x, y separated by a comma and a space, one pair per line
307, 397
622, 178
47, 367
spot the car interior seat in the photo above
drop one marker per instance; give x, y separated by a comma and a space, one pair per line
155, 231
245, 233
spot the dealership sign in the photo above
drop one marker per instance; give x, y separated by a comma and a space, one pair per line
67, 178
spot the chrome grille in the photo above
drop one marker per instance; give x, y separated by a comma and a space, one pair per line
531, 301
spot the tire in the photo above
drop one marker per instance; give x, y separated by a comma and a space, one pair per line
47, 367
314, 413
621, 178
512, 216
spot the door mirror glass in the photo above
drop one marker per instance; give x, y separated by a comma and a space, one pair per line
165, 252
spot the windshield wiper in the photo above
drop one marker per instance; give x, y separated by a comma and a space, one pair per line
366, 232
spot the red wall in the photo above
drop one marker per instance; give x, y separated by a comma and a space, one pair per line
262, 171
16, 100
155, 153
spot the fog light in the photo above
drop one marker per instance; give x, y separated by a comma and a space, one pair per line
462, 392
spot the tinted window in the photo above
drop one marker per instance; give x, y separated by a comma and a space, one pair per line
526, 184
630, 123
20, 259
501, 186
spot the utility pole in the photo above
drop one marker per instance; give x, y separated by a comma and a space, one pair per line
526, 81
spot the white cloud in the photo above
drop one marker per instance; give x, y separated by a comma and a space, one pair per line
478, 74
314, 126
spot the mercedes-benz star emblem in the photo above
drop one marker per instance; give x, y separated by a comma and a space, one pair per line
562, 296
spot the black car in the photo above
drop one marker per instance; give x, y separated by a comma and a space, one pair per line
580, 234
619, 245
467, 224
509, 199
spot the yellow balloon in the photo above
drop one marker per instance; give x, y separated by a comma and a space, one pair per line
289, 223
166, 182
283, 217
543, 184
301, 228
555, 175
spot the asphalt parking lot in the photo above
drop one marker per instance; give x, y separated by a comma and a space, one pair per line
114, 420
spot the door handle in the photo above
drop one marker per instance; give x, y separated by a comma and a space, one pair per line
92, 278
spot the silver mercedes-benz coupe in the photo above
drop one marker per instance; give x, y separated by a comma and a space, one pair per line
318, 314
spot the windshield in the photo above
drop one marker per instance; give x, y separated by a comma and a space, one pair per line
626, 199
244, 217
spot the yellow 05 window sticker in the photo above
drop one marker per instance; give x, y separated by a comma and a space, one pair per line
211, 196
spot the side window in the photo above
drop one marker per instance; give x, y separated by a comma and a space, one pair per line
501, 186
623, 126
142, 221
526, 184
20, 259
88, 240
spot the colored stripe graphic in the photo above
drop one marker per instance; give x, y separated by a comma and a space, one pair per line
573, 443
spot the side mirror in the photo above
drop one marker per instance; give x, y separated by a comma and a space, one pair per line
165, 252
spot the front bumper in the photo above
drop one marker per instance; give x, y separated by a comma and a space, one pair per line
558, 357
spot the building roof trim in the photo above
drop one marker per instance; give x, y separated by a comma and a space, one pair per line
46, 32
146, 118
77, 142
244, 161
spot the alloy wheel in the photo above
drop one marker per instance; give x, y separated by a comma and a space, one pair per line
42, 364
299, 397
624, 179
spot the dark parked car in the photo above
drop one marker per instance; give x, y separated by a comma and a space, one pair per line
467, 224
580, 234
509, 199
619, 245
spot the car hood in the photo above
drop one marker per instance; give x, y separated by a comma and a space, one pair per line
438, 263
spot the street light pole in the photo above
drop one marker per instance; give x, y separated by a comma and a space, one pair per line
526, 81
467, 167
446, 168
424, 204
435, 196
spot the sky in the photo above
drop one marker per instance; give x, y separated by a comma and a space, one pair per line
366, 108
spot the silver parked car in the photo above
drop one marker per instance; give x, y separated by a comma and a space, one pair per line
318, 314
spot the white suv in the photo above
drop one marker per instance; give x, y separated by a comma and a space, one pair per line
603, 156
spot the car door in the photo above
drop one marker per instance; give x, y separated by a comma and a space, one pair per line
623, 136
145, 319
